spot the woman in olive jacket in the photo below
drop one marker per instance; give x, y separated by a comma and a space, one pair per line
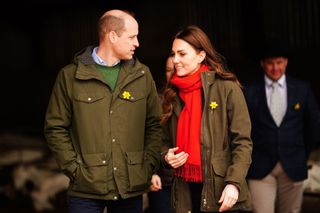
207, 124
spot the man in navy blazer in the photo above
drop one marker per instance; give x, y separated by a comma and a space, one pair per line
280, 148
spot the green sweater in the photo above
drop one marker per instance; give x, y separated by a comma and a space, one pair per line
109, 74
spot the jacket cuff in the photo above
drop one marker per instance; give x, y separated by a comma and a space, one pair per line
70, 171
164, 163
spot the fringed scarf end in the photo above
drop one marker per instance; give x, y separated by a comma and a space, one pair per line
189, 173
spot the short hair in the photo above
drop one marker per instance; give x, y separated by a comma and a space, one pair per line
109, 23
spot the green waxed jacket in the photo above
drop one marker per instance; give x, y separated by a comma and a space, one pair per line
107, 142
226, 145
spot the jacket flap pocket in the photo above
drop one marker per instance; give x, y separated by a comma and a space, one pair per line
134, 157
95, 159
219, 166
88, 98
131, 96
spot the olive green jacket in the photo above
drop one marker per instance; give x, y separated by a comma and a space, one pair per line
226, 145
107, 142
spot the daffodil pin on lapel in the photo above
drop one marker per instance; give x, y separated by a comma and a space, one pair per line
126, 95
296, 106
213, 105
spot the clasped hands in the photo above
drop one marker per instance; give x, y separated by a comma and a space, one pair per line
230, 193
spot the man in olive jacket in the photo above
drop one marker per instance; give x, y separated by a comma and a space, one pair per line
103, 121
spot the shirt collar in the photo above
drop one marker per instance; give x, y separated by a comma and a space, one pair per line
281, 81
99, 60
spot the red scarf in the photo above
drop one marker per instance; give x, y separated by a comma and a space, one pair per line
188, 130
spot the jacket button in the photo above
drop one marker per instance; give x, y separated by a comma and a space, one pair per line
79, 161
113, 140
104, 162
115, 198
115, 168
89, 99
142, 71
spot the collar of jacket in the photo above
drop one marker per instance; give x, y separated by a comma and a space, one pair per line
89, 71
208, 78
86, 66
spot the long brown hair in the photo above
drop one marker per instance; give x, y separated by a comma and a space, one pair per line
194, 36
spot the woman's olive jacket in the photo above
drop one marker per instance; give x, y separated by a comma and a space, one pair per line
107, 142
226, 145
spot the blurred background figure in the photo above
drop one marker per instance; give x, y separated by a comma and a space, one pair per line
159, 198
169, 69
284, 115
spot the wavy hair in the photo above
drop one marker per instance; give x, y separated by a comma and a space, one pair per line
196, 37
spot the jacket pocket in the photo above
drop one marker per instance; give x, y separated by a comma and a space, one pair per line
91, 174
132, 96
219, 166
88, 98
138, 171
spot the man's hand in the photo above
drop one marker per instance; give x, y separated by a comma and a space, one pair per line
156, 184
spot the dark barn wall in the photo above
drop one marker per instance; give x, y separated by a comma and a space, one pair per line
36, 43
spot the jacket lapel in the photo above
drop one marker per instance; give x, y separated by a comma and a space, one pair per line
128, 73
264, 110
291, 91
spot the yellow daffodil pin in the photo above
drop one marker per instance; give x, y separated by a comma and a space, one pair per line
213, 105
296, 106
126, 95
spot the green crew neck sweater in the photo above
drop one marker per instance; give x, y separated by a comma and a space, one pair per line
109, 74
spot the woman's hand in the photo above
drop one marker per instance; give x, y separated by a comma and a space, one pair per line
156, 184
229, 197
176, 160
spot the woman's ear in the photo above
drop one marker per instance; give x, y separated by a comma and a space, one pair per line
202, 56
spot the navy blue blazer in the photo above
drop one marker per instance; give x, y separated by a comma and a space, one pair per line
290, 143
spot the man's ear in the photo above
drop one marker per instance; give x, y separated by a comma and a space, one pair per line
113, 37
261, 62
286, 60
